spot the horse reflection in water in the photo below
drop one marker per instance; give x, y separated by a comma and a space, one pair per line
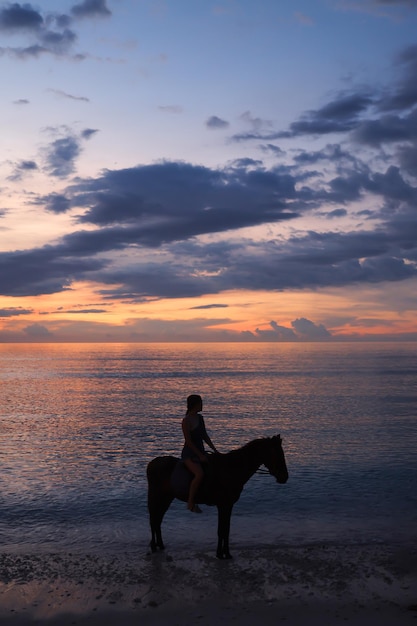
226, 475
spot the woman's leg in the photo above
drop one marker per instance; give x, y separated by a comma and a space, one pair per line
197, 470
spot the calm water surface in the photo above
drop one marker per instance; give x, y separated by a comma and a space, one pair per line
80, 422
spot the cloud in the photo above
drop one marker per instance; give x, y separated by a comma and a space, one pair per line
47, 33
23, 168
37, 331
174, 229
169, 201
371, 116
44, 270
64, 94
87, 133
256, 123
83, 311
276, 333
209, 306
403, 94
159, 213
55, 203
14, 312
61, 154
336, 214
302, 330
16, 17
309, 331
91, 8
215, 123
171, 108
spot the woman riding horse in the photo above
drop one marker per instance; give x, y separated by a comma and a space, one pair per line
193, 454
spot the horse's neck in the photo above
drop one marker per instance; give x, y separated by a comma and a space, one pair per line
247, 460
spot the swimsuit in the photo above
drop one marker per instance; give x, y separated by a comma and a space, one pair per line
197, 437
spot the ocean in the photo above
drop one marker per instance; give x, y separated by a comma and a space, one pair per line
80, 422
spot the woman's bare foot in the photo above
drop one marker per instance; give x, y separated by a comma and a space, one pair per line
194, 508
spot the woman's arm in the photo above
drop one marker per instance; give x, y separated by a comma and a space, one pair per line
210, 443
207, 438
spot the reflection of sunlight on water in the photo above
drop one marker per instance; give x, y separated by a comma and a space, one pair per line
80, 423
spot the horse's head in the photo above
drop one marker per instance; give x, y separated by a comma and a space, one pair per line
275, 459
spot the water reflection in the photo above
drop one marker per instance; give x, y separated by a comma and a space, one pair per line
80, 423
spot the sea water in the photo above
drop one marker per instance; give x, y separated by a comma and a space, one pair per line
80, 422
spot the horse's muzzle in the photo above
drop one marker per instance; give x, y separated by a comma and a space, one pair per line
282, 479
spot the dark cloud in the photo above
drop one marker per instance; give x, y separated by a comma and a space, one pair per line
336, 214
16, 17
209, 306
167, 206
309, 331
402, 95
14, 312
62, 153
276, 333
91, 8
373, 116
21, 101
58, 42
84, 311
50, 33
387, 129
37, 331
339, 115
150, 227
42, 271
55, 203
22, 168
215, 123
61, 156
272, 148
87, 133
302, 330
171, 201
64, 94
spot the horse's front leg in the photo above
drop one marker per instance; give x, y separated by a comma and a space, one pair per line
156, 540
223, 530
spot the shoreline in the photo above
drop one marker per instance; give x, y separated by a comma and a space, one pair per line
309, 584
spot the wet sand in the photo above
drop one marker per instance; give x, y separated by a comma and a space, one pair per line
314, 584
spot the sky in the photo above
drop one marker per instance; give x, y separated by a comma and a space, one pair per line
197, 170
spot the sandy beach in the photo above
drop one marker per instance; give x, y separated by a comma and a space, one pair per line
311, 584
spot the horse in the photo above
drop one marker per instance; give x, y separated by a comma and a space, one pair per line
225, 477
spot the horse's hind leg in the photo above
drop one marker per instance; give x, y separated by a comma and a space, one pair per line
157, 509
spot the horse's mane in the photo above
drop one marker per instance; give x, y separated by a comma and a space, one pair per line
248, 447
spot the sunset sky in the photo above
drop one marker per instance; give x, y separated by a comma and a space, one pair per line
197, 170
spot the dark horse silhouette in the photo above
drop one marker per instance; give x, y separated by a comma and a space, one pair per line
226, 475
